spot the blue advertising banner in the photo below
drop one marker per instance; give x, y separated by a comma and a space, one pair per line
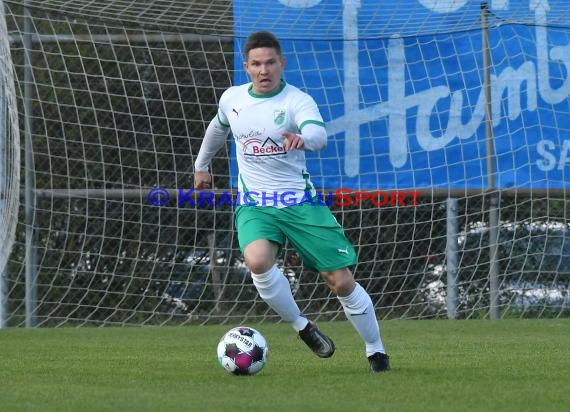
401, 89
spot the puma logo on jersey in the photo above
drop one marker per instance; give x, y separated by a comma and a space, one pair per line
343, 251
236, 111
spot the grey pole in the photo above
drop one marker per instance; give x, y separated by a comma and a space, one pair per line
451, 257
494, 200
351, 85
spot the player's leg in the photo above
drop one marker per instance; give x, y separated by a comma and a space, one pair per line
275, 290
320, 240
260, 237
260, 241
359, 310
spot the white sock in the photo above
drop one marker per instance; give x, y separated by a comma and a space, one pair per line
275, 290
359, 309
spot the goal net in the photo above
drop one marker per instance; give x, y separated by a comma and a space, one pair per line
449, 143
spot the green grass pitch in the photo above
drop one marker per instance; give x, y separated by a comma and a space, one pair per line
475, 365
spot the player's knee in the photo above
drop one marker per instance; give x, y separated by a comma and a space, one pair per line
341, 282
258, 263
345, 286
260, 256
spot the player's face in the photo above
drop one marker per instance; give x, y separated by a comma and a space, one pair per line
264, 67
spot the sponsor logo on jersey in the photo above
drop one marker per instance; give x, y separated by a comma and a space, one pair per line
258, 147
249, 135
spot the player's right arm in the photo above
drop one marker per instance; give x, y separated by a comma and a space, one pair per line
312, 138
311, 134
214, 138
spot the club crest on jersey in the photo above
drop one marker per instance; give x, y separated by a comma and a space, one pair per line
279, 117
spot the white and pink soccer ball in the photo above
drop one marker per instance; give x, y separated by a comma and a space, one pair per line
242, 351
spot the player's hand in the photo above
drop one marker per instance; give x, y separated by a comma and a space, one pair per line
202, 180
293, 141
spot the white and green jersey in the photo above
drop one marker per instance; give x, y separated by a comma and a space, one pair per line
269, 175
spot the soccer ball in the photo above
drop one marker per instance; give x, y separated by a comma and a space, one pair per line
242, 351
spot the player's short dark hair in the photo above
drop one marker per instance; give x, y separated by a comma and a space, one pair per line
262, 39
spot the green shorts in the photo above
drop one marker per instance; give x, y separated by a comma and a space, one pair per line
312, 230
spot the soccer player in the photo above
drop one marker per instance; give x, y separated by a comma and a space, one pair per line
273, 123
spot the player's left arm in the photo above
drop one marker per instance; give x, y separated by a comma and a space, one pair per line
311, 133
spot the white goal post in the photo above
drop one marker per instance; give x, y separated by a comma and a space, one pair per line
9, 164
447, 163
